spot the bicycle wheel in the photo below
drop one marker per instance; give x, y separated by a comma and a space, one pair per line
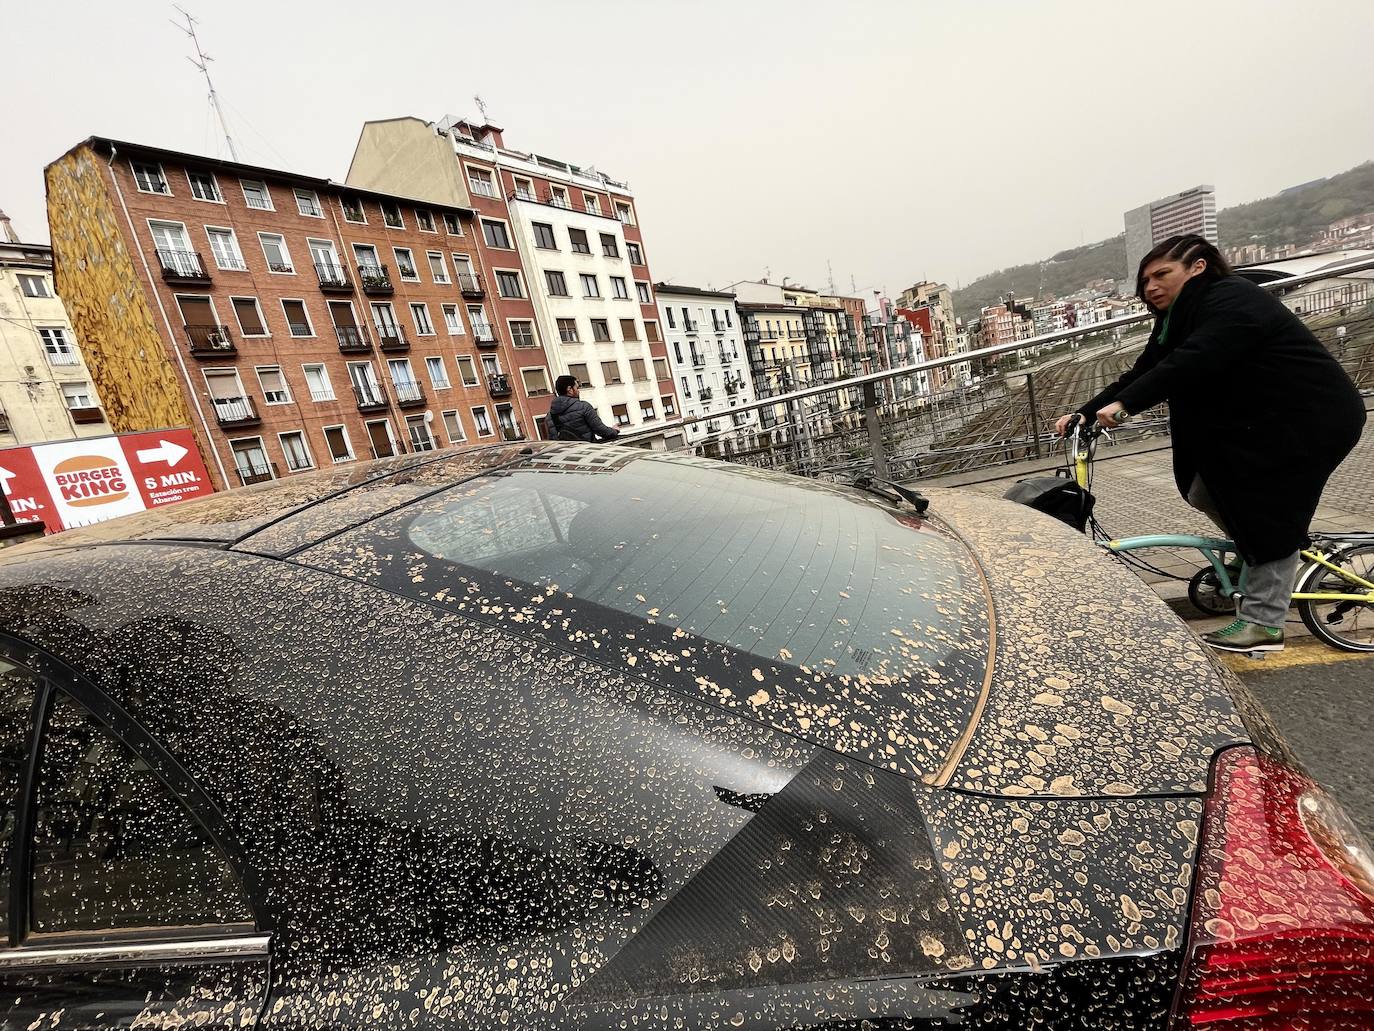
1204, 591
1347, 625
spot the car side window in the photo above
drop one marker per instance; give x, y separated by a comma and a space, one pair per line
113, 847
18, 687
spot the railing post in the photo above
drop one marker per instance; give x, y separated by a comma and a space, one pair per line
1034, 415
875, 431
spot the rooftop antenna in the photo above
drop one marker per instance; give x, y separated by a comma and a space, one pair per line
830, 275
481, 107
202, 61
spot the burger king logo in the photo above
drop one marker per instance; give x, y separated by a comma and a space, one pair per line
88, 480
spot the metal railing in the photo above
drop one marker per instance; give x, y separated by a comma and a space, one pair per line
181, 264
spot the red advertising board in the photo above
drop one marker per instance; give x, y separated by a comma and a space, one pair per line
77, 482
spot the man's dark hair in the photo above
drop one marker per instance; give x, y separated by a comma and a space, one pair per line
563, 384
1185, 250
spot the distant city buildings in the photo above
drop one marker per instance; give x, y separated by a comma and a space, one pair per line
710, 368
1192, 211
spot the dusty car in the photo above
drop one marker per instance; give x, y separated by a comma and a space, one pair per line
575, 736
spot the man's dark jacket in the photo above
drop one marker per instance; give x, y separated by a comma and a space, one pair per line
1259, 409
571, 418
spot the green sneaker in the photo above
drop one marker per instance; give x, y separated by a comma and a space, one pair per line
1241, 636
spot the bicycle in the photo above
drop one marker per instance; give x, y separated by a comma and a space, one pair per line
1333, 589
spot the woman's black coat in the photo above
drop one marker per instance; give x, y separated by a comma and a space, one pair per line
1258, 408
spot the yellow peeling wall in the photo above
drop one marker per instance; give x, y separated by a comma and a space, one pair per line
108, 305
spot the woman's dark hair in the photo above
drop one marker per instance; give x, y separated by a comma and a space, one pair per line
1186, 250
563, 384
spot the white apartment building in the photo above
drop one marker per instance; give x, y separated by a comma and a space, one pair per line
46, 391
708, 360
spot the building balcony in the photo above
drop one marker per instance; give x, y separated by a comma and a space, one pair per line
470, 286
690, 326
698, 360
392, 340
732, 387
512, 433
183, 268
498, 385
82, 416
257, 473
210, 341
376, 280
484, 335
233, 412
707, 393
370, 398
334, 279
409, 394
63, 358
717, 327
352, 339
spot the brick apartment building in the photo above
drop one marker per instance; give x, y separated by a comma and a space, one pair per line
292, 322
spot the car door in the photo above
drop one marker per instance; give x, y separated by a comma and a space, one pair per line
121, 905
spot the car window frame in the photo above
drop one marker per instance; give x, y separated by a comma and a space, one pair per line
23, 948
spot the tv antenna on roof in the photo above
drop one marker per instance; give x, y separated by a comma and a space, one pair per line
481, 107
202, 61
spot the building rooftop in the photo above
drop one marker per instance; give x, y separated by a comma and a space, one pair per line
696, 291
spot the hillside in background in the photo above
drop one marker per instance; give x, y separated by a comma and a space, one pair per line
1296, 216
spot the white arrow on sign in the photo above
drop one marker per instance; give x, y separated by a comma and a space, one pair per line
5, 477
165, 451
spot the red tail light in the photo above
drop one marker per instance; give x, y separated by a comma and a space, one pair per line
1283, 919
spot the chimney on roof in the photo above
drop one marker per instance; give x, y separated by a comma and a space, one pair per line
7, 229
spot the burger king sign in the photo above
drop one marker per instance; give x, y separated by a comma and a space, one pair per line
89, 481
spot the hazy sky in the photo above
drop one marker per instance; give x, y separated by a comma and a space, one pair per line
897, 141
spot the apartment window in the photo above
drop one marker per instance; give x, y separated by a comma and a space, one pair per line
495, 234
225, 248
273, 383
642, 289
669, 313
453, 322
628, 330
686, 387
638, 371
391, 215
477, 315
77, 395
336, 439
256, 195
601, 331
624, 213
149, 178
508, 284
635, 254
646, 410
454, 428
536, 382
353, 212
366, 257
56, 346
558, 286
522, 333
420, 314
35, 286
677, 351
482, 421
669, 406
559, 196
438, 270
608, 247
274, 250
651, 332
204, 187
567, 331
590, 287
619, 288
467, 371
729, 324
297, 319
578, 239
451, 223
592, 203
579, 372
308, 203
401, 374
251, 322
438, 375
621, 414
424, 218
544, 238
317, 382
661, 369
405, 264
524, 189
297, 454
610, 372
479, 179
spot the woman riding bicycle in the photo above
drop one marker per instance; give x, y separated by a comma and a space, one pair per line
1260, 412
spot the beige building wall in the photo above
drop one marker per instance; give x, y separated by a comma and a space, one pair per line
408, 158
46, 391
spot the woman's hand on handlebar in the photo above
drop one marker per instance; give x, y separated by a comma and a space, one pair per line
1065, 423
1112, 416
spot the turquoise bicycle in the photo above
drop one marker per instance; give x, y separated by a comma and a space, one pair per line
1333, 591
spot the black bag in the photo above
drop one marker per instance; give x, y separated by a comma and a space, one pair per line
1055, 496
